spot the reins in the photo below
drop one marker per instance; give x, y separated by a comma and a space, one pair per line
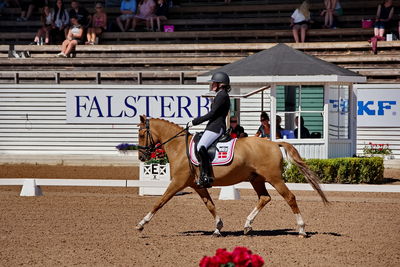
150, 148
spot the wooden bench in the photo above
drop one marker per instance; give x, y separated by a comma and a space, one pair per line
165, 62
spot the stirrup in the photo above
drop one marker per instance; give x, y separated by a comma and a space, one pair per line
205, 182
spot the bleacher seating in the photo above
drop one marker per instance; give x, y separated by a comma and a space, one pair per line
208, 35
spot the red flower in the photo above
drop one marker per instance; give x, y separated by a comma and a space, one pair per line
153, 155
256, 260
223, 256
208, 262
241, 256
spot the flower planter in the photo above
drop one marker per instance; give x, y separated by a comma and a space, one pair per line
153, 172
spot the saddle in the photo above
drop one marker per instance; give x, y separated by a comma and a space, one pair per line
220, 152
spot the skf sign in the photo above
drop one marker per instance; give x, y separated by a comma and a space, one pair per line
378, 108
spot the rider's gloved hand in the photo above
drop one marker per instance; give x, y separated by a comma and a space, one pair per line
189, 124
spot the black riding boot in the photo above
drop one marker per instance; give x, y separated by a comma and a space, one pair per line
206, 178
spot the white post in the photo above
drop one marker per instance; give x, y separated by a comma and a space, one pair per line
229, 193
30, 189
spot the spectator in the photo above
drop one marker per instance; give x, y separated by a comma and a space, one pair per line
128, 10
304, 133
265, 129
161, 14
27, 11
384, 14
74, 38
146, 11
299, 21
46, 18
279, 129
99, 24
60, 21
332, 10
235, 130
81, 13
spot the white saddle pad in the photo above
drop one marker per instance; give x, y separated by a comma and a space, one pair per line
223, 155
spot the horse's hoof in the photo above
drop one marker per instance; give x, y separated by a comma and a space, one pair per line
247, 230
303, 235
217, 233
139, 227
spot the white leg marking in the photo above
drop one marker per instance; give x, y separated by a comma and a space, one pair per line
249, 221
218, 224
251, 217
300, 224
145, 220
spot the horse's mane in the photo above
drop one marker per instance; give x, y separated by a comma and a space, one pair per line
170, 123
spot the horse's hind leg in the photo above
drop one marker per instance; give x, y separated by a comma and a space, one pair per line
263, 199
205, 196
284, 191
173, 188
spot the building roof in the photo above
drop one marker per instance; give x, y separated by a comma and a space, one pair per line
282, 63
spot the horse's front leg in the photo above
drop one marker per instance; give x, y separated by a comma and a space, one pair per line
173, 188
205, 196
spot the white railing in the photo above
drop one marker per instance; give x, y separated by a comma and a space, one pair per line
31, 187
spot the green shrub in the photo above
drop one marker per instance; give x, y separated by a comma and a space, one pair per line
339, 170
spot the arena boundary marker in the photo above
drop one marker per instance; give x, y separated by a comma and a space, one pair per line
31, 186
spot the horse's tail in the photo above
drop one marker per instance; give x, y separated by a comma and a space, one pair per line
311, 177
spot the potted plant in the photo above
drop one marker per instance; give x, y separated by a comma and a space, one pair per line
377, 150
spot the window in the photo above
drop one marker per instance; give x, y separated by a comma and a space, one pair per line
339, 112
301, 105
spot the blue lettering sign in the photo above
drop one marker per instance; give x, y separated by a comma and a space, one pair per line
182, 107
164, 106
109, 108
128, 105
364, 108
95, 106
78, 105
147, 103
200, 107
382, 105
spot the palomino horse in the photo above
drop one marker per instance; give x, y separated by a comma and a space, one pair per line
256, 160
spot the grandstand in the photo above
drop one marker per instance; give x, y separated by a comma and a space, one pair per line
208, 34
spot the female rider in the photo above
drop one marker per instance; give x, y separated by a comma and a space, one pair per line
216, 125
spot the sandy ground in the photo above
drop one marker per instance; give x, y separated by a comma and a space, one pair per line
95, 226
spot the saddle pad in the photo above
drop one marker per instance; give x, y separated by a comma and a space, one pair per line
223, 155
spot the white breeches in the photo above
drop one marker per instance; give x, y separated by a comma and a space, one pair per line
208, 138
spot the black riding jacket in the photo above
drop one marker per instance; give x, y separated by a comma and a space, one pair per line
216, 117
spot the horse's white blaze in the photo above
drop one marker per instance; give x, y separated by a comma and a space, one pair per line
251, 218
300, 224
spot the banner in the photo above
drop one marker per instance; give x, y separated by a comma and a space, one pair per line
378, 107
125, 106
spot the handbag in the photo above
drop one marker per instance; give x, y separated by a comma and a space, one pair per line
367, 23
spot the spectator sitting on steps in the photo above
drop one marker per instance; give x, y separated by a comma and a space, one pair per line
146, 10
300, 20
46, 19
99, 24
128, 10
74, 38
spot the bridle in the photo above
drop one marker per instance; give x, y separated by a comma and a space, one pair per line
150, 146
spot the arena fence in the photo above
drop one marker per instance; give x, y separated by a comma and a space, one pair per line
31, 187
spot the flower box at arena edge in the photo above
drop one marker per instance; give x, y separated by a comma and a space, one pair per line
153, 172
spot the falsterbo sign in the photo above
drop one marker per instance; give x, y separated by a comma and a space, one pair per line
378, 107
125, 106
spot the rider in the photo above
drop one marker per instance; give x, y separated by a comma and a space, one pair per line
216, 125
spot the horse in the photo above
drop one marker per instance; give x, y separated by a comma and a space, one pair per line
256, 160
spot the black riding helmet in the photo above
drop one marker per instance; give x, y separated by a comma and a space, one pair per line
220, 77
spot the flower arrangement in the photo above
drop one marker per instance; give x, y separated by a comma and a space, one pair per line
239, 257
158, 156
373, 149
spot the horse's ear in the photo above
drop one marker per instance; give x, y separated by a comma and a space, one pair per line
142, 118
